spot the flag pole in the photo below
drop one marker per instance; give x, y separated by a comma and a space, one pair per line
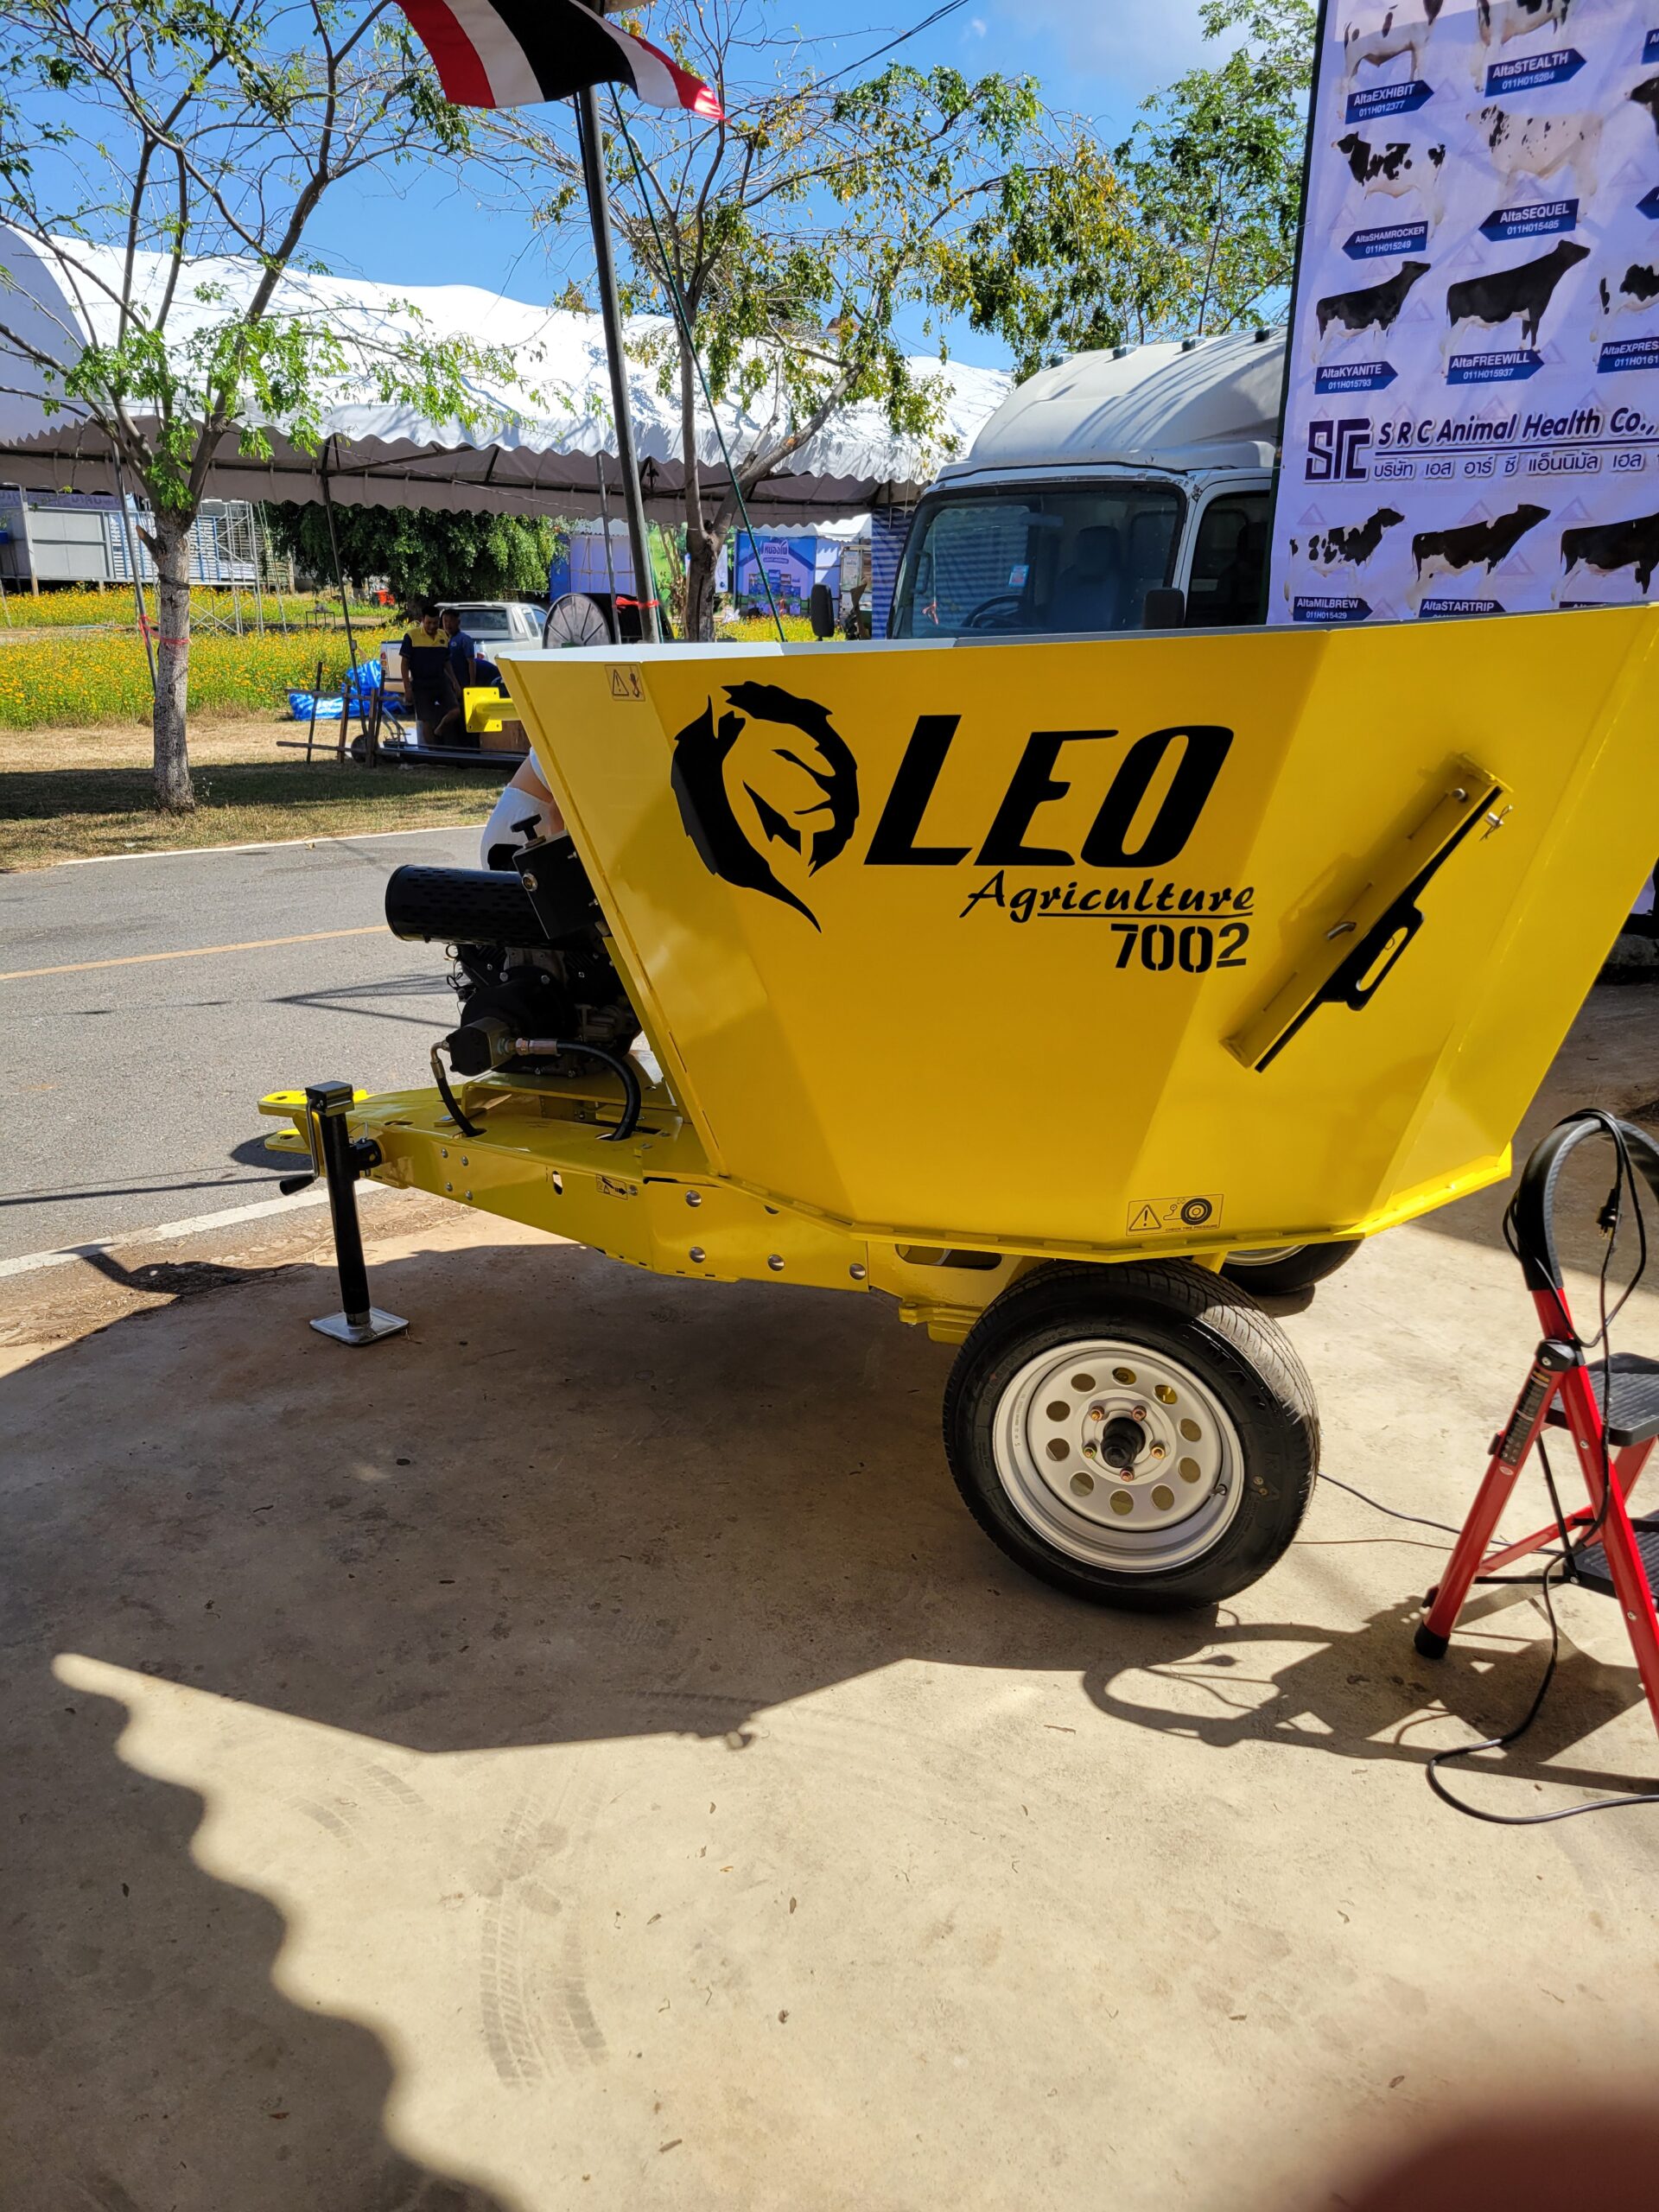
633, 497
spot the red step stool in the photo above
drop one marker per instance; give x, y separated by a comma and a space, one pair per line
1565, 1390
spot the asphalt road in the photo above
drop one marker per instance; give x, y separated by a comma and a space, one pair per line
127, 1090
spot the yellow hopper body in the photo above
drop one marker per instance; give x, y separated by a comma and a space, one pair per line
1169, 943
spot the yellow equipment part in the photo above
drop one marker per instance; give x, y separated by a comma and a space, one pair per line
956, 958
485, 710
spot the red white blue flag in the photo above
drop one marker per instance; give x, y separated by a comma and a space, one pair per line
508, 53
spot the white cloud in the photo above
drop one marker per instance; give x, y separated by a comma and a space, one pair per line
1137, 45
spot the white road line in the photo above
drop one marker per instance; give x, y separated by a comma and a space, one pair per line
270, 845
30, 1262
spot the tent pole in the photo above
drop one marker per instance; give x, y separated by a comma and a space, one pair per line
344, 608
633, 501
132, 563
610, 566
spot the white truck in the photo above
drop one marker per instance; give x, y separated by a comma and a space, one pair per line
1121, 491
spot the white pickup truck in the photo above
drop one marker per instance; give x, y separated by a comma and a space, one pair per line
1121, 491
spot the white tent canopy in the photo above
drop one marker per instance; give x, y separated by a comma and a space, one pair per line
538, 449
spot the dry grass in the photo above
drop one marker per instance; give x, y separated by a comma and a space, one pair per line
74, 793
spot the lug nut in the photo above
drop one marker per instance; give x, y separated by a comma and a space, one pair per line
1137, 1412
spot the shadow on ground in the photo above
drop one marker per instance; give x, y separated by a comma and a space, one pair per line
570, 1505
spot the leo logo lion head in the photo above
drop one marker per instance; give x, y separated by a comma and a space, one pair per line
770, 777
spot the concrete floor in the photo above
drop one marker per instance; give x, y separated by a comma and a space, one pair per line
582, 1753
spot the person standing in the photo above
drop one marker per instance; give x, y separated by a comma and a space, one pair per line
467, 668
425, 668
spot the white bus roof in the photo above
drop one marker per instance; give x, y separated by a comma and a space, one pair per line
1212, 405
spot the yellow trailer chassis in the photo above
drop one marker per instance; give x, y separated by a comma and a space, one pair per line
962, 964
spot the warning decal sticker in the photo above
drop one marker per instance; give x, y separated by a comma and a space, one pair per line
1161, 1217
626, 685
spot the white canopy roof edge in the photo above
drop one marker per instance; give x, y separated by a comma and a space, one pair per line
546, 429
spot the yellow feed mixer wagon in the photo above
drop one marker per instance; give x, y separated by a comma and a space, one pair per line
1058, 991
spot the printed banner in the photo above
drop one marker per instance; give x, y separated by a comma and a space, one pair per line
1471, 420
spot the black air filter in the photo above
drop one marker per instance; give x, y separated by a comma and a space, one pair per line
461, 906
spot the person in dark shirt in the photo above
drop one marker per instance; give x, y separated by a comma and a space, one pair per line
467, 668
425, 665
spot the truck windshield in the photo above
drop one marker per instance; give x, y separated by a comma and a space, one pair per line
1037, 560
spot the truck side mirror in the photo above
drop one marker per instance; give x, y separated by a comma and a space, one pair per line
1164, 609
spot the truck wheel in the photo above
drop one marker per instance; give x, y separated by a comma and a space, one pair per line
1142, 1435
1287, 1268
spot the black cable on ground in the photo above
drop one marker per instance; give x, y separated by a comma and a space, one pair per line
1513, 1736
1393, 1512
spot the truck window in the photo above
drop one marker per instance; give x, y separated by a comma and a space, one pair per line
1065, 558
1228, 582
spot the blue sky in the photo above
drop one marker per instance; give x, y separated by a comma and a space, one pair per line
1097, 57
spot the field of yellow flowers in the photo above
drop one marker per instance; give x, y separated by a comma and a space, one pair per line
209, 604
57, 671
50, 679
47, 681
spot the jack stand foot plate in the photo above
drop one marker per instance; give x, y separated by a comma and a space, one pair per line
369, 1329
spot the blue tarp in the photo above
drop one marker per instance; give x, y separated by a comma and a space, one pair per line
361, 687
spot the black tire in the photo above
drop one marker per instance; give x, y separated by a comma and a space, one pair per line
1185, 1313
1291, 1268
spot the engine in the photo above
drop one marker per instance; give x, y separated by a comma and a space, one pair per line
530, 956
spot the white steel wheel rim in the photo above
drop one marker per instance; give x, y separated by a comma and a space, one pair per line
1183, 1486
1266, 1258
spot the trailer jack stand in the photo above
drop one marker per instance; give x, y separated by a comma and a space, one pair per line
343, 1160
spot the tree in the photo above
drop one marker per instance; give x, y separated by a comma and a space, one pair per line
139, 138
424, 552
1052, 268
798, 234
1215, 166
1188, 226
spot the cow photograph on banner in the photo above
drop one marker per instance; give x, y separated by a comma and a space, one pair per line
1472, 422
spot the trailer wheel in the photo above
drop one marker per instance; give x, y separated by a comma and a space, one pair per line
1142, 1435
1284, 1269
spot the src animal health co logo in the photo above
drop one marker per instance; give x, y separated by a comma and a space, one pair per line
796, 772
768, 792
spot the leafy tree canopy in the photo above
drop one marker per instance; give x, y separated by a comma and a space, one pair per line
1187, 226
797, 236
422, 552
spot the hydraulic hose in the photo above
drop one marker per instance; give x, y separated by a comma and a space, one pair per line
621, 1067
451, 1105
